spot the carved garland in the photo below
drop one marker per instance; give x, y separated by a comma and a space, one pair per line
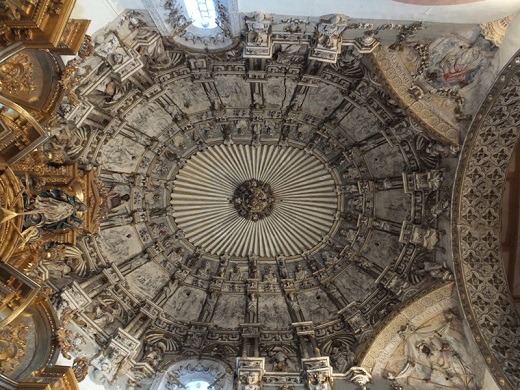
476, 226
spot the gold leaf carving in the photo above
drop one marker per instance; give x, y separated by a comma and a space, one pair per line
16, 74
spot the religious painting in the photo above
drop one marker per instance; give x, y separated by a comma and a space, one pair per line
454, 63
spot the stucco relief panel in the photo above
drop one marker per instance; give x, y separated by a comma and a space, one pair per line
121, 154
120, 243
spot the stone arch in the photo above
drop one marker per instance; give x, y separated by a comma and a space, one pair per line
479, 183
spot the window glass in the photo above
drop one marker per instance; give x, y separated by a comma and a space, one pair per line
197, 385
202, 12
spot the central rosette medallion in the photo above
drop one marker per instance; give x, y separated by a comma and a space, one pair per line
266, 200
253, 199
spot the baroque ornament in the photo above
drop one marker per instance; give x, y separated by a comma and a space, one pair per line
253, 199
13, 340
16, 74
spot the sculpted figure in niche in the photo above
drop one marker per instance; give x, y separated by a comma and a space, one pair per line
293, 301
117, 202
66, 260
300, 272
423, 268
270, 275
152, 356
52, 210
254, 273
252, 307
342, 357
110, 91
57, 268
102, 317
158, 229
211, 300
349, 234
236, 274
279, 360
67, 140
430, 152
168, 290
176, 255
203, 271
328, 259
104, 45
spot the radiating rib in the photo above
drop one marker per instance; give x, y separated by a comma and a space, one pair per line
303, 212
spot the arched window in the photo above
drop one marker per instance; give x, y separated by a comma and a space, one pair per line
203, 25
202, 13
196, 374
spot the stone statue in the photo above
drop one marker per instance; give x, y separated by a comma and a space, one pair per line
342, 357
251, 307
279, 360
68, 140
208, 308
152, 356
102, 317
270, 275
300, 272
204, 271
236, 274
328, 259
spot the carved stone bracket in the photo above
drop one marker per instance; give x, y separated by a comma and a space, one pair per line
319, 373
250, 373
258, 42
75, 296
327, 44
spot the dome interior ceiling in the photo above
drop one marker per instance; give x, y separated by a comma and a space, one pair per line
270, 192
